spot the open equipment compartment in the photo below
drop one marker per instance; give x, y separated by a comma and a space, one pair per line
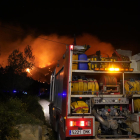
100, 96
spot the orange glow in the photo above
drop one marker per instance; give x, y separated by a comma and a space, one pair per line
117, 69
130, 69
47, 53
102, 68
96, 69
42, 66
111, 69
114, 69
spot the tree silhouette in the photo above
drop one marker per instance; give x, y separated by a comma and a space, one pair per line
19, 61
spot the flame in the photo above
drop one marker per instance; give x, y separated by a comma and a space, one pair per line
47, 53
42, 66
28, 70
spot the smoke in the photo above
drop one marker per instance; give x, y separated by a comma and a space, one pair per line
47, 53
96, 45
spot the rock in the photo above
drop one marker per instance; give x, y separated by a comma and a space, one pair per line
45, 138
30, 132
49, 129
45, 132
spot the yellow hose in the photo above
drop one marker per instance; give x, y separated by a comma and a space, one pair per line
80, 85
126, 87
134, 84
138, 86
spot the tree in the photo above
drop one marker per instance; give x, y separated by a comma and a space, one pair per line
19, 61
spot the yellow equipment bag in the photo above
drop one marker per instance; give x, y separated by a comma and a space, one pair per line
75, 64
93, 87
90, 85
81, 86
80, 107
85, 83
74, 87
96, 86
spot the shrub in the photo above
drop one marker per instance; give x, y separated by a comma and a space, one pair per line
33, 107
16, 111
7, 122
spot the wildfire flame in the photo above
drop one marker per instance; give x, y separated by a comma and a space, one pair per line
28, 70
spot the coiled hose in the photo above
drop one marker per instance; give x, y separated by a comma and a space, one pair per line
132, 87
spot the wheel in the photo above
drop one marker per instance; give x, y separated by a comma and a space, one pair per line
58, 132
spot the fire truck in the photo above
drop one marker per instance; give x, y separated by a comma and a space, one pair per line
96, 96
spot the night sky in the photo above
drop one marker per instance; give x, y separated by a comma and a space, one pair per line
112, 22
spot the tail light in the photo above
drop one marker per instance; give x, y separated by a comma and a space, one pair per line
80, 123
71, 47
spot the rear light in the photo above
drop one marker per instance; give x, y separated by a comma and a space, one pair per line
72, 123
71, 47
80, 123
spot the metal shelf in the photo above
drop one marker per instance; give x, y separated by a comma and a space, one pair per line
86, 96
101, 61
133, 72
80, 113
136, 95
92, 71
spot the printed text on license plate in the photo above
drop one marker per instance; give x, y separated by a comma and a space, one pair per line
78, 132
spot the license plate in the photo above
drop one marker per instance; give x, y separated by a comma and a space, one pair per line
79, 132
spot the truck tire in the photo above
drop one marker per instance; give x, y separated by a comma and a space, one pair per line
58, 132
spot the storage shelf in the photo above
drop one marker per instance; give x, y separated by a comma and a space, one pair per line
97, 95
88, 96
80, 113
134, 72
101, 61
92, 71
136, 95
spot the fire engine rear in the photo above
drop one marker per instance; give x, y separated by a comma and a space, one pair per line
96, 96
